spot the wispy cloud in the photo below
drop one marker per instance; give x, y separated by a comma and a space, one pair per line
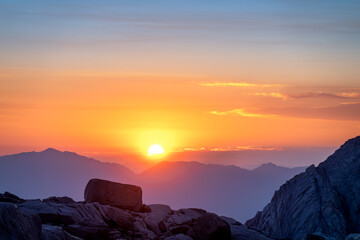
235, 84
284, 96
344, 112
273, 94
241, 112
228, 149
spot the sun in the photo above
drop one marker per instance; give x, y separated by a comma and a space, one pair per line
155, 149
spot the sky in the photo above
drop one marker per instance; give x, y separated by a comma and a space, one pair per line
114, 77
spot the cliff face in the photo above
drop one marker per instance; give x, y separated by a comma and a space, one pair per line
323, 199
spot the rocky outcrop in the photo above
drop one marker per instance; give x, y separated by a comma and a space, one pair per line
114, 194
210, 226
241, 232
9, 197
14, 224
61, 218
321, 203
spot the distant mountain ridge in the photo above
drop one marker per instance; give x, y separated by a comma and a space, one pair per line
52, 172
227, 190
216, 188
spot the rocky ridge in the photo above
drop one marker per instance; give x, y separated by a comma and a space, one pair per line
61, 218
321, 203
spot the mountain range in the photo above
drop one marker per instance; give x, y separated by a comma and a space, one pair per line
225, 190
321, 203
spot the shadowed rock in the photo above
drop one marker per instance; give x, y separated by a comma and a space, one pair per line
323, 200
210, 227
114, 194
9, 197
50, 232
241, 232
59, 200
16, 225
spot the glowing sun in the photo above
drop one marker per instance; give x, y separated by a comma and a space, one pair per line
155, 150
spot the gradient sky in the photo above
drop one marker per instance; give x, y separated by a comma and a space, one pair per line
118, 76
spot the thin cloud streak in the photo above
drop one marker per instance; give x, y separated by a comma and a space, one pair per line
230, 149
243, 113
235, 84
341, 112
283, 96
273, 94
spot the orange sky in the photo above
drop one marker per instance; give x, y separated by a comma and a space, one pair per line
222, 78
127, 113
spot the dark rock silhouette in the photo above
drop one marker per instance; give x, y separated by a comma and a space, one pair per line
9, 197
114, 194
321, 203
15, 224
210, 226
61, 218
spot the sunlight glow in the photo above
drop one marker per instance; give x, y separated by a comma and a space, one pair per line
155, 150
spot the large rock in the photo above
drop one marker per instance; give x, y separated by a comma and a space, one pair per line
50, 232
119, 216
319, 236
210, 227
114, 194
353, 237
155, 220
16, 225
241, 232
89, 232
323, 199
179, 237
9, 197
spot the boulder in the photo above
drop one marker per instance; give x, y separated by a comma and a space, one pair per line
114, 194
9, 197
210, 227
48, 213
180, 229
16, 225
59, 200
353, 236
140, 227
241, 232
160, 209
179, 237
119, 216
183, 216
50, 232
155, 220
319, 236
89, 232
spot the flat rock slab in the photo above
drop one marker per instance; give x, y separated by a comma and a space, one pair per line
119, 195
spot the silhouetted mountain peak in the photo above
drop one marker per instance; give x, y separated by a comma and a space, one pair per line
268, 165
51, 150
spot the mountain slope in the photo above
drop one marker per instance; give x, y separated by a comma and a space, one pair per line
217, 188
51, 173
322, 199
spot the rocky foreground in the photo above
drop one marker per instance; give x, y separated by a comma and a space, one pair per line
110, 211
